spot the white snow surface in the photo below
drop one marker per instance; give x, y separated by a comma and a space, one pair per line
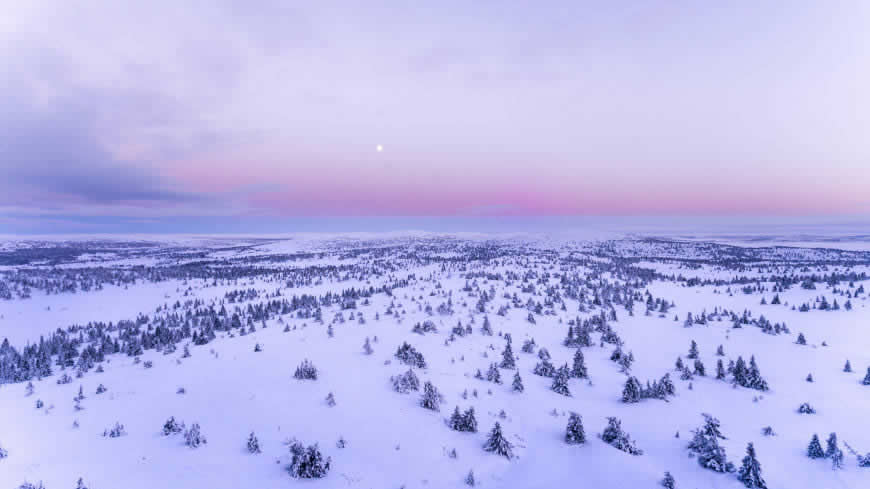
392, 442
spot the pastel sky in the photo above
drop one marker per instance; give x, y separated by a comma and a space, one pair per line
122, 115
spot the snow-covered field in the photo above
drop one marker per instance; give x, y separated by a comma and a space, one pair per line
124, 315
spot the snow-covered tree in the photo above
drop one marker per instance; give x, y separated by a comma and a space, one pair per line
705, 446
253, 443
517, 384
560, 381
614, 435
814, 450
574, 433
431, 398
193, 437
497, 443
307, 463
750, 471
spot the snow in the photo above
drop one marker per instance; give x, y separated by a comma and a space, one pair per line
231, 390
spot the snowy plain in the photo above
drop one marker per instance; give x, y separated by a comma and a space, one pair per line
231, 390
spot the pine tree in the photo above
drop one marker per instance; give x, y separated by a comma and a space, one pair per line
574, 433
518, 383
693, 350
837, 460
668, 482
831, 445
193, 437
699, 368
367, 347
615, 437
455, 422
814, 450
801, 340
493, 374
469, 421
431, 397
487, 328
720, 370
253, 443
631, 393
750, 472
560, 381
848, 367
498, 444
80, 484
307, 463
705, 444
578, 370
508, 358
866, 380
720, 351
469, 479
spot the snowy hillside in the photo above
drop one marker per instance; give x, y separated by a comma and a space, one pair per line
335, 362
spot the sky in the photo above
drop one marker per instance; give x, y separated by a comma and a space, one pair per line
205, 116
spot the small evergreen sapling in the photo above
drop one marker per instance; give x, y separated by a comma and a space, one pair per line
253, 444
193, 437
306, 371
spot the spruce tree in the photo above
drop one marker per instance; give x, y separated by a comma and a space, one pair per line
693, 350
750, 472
455, 422
578, 370
469, 421
848, 367
518, 383
705, 445
720, 370
631, 393
668, 482
507, 355
615, 437
814, 450
699, 368
831, 445
574, 433
866, 380
493, 374
431, 398
498, 444
253, 443
560, 381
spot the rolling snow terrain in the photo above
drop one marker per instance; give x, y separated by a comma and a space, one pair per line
430, 361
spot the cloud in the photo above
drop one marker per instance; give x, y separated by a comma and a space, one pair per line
53, 149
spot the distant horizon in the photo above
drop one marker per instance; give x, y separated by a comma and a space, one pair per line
263, 226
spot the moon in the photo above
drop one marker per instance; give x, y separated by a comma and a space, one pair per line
379, 148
